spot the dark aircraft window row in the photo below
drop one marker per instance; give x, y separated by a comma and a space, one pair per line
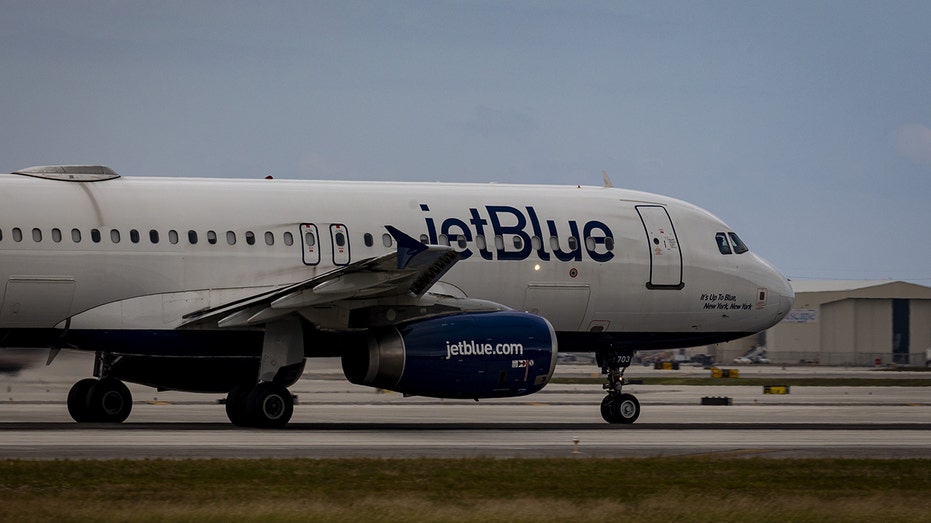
725, 247
153, 236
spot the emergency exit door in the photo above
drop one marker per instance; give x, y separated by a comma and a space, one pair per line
339, 241
314, 245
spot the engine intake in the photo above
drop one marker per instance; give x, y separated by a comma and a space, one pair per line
483, 355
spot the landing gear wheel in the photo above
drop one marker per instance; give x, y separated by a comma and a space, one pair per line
617, 407
110, 401
103, 401
621, 408
627, 408
236, 405
269, 406
77, 400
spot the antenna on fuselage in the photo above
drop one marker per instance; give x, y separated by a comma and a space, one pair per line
604, 175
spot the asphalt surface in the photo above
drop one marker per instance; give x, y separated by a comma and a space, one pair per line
334, 419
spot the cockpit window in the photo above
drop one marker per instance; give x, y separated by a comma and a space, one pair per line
723, 246
739, 246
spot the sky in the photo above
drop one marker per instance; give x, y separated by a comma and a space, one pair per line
806, 126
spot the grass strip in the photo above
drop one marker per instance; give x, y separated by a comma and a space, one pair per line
649, 489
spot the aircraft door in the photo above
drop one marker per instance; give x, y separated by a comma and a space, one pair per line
665, 255
339, 236
310, 239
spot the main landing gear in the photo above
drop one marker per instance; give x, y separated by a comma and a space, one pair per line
101, 401
106, 400
265, 405
268, 404
617, 407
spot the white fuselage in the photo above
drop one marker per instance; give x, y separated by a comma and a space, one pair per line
121, 253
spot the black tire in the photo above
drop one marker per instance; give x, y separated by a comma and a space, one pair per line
78, 400
623, 408
110, 401
607, 404
236, 405
269, 406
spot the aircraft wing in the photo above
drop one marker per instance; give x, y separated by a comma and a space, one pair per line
409, 272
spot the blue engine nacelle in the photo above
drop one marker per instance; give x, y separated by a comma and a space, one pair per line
480, 355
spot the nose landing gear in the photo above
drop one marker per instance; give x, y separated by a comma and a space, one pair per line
617, 406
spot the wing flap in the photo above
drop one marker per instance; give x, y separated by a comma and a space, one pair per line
409, 271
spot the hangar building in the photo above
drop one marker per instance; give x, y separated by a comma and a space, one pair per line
842, 322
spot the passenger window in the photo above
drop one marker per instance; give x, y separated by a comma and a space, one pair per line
95, 235
153, 236
590, 243
37, 235
309, 239
723, 246
17, 234
75, 235
462, 241
231, 237
56, 235
250, 237
134, 235
1, 235
386, 240
340, 239
288, 238
480, 242
212, 237
739, 247
424, 239
554, 243
369, 241
173, 236
536, 242
442, 240
192, 237
609, 243
499, 242
269, 238
114, 236
518, 243
573, 243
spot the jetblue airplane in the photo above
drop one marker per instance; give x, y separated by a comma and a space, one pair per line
432, 289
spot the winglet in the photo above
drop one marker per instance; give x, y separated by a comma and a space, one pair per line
407, 247
604, 175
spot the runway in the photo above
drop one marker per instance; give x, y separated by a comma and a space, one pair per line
335, 419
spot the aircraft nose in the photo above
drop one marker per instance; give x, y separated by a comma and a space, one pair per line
786, 298
782, 296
